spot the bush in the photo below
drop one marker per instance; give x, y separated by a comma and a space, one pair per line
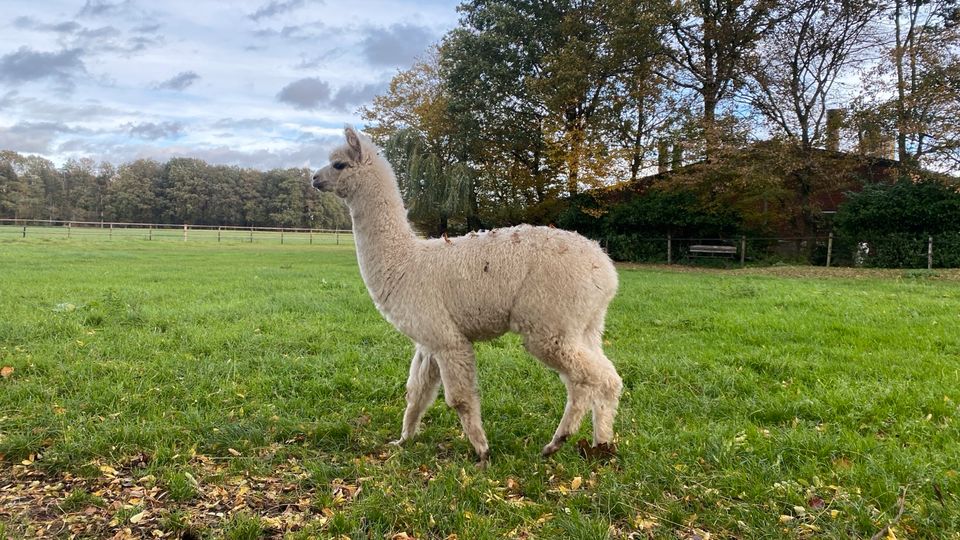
888, 225
636, 229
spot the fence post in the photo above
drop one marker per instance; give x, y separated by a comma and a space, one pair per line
743, 250
111, 232
251, 235
829, 248
669, 248
930, 253
68, 230
150, 232
24, 231
337, 234
311, 237
281, 237
219, 229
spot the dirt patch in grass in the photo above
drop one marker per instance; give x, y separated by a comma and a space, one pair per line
124, 501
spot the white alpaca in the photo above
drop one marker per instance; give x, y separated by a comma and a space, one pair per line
549, 285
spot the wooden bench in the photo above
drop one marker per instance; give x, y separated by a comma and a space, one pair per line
706, 250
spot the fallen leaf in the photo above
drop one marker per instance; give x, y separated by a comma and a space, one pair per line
6, 372
234, 452
576, 483
108, 470
137, 518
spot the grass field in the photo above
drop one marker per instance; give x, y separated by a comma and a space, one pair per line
155, 389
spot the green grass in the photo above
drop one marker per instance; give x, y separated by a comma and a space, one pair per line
755, 406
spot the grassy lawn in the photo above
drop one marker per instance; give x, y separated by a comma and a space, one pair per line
169, 389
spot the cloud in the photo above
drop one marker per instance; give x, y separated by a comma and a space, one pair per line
275, 7
151, 131
27, 65
29, 23
147, 28
32, 137
308, 93
96, 8
95, 40
398, 45
316, 61
311, 31
28, 106
349, 97
245, 123
180, 81
312, 93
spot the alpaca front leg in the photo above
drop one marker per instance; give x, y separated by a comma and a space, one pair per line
423, 383
458, 370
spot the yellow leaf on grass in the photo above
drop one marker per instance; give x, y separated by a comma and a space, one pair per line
576, 483
6, 372
108, 470
234, 452
137, 518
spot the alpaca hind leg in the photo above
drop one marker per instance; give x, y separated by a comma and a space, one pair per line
458, 371
423, 384
606, 402
573, 363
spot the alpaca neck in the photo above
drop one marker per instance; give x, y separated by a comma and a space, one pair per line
382, 233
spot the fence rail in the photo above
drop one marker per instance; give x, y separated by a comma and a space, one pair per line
904, 251
52, 229
898, 251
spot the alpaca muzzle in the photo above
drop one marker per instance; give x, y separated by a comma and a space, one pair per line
318, 183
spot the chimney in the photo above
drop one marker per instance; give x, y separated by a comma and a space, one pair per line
676, 160
663, 156
834, 123
870, 139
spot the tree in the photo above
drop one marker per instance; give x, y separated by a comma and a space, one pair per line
187, 191
11, 186
434, 190
412, 120
926, 60
710, 42
132, 195
537, 86
799, 60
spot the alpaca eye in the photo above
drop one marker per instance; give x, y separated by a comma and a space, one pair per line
339, 165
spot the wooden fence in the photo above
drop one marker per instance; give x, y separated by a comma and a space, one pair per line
51, 229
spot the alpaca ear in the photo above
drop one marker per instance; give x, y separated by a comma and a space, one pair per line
353, 141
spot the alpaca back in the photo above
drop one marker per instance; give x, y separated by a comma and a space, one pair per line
501, 280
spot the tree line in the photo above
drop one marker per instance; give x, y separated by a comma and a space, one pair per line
182, 190
526, 105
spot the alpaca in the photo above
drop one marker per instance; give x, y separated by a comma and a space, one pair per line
549, 285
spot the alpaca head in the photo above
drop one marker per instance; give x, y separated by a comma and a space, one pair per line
343, 176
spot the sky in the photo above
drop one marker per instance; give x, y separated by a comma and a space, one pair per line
254, 83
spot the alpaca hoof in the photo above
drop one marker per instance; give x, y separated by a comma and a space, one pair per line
483, 461
552, 448
601, 451
398, 443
